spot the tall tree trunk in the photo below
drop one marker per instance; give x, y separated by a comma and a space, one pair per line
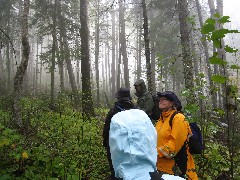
147, 48
2, 71
139, 42
122, 39
222, 55
186, 51
119, 50
18, 79
97, 52
63, 34
52, 69
139, 49
87, 103
206, 53
60, 64
153, 56
216, 69
37, 70
113, 67
78, 64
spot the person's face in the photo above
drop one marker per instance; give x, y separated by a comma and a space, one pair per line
165, 104
138, 88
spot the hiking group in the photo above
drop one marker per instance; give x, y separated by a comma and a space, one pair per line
136, 150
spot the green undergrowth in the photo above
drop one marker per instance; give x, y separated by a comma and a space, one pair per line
56, 145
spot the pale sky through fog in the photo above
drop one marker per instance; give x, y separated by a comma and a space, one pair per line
232, 9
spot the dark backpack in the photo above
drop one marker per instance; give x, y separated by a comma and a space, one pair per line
195, 141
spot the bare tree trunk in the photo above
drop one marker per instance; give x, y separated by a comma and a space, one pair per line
113, 67
205, 46
2, 71
37, 70
147, 49
87, 103
60, 64
122, 39
186, 51
41, 69
139, 47
153, 56
52, 68
78, 64
119, 55
63, 34
97, 52
18, 79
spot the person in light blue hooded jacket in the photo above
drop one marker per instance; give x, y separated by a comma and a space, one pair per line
133, 142
133, 145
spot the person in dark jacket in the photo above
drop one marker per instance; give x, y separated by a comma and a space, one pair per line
145, 98
123, 103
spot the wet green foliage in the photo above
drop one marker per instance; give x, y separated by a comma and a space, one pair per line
55, 145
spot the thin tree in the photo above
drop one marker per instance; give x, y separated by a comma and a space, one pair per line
18, 79
87, 103
122, 39
52, 69
186, 50
113, 66
147, 48
97, 51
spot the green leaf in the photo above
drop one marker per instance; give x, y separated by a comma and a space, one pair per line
210, 21
218, 79
218, 34
235, 66
230, 50
207, 28
233, 31
217, 43
224, 19
216, 60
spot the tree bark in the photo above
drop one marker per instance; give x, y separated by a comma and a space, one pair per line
147, 48
18, 79
87, 103
113, 66
186, 51
52, 69
97, 52
122, 40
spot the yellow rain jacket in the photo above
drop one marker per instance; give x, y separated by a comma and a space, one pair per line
170, 140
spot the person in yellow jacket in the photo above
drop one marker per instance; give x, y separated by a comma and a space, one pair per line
173, 153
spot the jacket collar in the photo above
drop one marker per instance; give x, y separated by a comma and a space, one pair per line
166, 114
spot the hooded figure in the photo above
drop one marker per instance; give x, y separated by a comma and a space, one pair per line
145, 99
123, 103
132, 141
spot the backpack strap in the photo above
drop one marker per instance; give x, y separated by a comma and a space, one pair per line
171, 118
120, 108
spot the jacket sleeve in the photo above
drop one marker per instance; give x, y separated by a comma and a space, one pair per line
178, 136
106, 127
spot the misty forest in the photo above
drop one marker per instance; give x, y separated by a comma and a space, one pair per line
61, 63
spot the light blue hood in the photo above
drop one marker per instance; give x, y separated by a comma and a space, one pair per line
133, 142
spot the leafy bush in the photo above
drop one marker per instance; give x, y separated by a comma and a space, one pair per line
61, 146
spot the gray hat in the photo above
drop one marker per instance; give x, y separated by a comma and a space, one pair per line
123, 94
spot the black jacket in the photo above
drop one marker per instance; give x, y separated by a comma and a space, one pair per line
118, 106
